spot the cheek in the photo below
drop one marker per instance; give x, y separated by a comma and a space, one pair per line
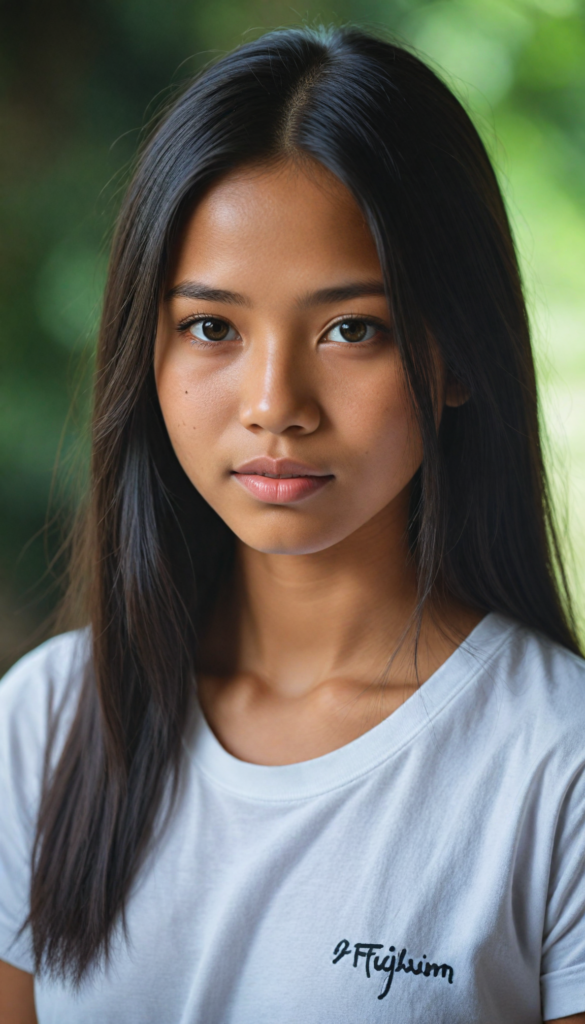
379, 428
197, 409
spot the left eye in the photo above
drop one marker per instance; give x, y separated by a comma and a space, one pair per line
212, 329
353, 331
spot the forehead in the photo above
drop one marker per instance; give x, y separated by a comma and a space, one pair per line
271, 221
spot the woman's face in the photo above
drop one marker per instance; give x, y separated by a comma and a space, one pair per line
280, 384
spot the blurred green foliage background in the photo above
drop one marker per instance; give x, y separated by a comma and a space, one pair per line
80, 82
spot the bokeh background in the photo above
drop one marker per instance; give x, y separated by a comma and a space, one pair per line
80, 82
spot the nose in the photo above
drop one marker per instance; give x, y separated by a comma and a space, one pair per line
277, 392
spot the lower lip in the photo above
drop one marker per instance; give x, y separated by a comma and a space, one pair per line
281, 491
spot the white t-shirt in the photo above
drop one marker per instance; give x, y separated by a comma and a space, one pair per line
431, 870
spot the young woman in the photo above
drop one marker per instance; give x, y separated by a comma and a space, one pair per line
318, 754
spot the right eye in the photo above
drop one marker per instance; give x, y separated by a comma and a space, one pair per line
210, 328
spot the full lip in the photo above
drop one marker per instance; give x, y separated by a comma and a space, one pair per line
279, 468
280, 481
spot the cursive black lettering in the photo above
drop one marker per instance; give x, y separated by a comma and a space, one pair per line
381, 966
400, 965
445, 969
342, 948
389, 964
365, 949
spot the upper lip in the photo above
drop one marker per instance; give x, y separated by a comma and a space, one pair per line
265, 466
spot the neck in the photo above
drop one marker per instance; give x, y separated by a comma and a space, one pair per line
302, 619
311, 651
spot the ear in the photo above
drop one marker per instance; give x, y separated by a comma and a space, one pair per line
456, 393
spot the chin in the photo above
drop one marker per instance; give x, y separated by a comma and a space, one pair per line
289, 540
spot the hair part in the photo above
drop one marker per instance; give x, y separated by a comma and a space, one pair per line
286, 136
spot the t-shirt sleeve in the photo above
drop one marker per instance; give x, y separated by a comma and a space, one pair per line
563, 953
31, 694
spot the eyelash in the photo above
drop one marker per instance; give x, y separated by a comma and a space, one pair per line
184, 325
382, 329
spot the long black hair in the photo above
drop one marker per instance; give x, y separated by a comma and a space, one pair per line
150, 552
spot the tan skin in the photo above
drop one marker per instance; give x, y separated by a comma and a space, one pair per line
324, 587
296, 663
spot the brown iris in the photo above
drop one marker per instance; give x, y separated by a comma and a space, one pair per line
353, 330
214, 330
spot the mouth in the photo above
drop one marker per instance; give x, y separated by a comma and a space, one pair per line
280, 481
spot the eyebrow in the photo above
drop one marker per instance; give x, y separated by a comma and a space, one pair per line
342, 293
196, 290
321, 297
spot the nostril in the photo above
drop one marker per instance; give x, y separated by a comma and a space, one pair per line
280, 418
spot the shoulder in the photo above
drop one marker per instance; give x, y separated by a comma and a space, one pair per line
538, 689
45, 674
531, 665
38, 697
